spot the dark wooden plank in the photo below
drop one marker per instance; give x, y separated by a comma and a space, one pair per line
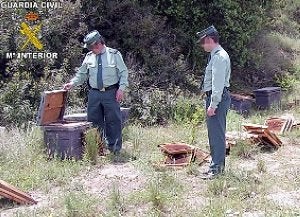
275, 137
271, 138
200, 156
15, 194
11, 196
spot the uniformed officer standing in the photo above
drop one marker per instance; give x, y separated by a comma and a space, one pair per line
107, 75
215, 86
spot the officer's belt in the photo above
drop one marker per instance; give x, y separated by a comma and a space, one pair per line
208, 93
114, 86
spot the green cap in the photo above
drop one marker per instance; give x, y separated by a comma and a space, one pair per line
91, 38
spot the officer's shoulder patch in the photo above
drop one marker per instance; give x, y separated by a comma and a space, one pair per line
217, 52
112, 50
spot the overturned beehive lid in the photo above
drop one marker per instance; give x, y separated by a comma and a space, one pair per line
176, 148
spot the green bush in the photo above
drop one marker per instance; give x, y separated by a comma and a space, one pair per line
17, 100
160, 107
187, 111
151, 106
20, 98
287, 81
236, 20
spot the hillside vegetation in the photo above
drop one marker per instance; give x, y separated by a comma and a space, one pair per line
157, 39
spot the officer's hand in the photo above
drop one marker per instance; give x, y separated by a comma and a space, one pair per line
68, 86
119, 95
211, 112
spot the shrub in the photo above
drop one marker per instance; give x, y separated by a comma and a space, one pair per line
188, 111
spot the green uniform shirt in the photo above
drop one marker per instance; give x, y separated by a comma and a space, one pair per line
217, 75
114, 69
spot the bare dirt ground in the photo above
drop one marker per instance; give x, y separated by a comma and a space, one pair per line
101, 180
282, 167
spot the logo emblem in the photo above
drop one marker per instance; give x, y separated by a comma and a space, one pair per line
31, 16
31, 33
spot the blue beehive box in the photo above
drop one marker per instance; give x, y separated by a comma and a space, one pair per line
83, 116
265, 97
63, 139
241, 103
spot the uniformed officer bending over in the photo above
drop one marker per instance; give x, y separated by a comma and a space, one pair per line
107, 75
215, 86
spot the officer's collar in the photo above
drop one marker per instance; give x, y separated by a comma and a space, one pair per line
217, 48
103, 50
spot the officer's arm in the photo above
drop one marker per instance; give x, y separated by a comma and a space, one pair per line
81, 74
218, 80
122, 72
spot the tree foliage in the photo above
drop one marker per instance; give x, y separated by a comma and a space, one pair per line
157, 39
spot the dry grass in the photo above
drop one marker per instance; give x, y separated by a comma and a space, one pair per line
136, 188
286, 43
24, 162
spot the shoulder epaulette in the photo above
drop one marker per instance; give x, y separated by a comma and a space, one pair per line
217, 51
112, 50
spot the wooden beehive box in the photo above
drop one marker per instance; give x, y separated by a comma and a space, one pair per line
62, 138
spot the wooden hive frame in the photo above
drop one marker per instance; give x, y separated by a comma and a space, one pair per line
181, 154
280, 125
264, 134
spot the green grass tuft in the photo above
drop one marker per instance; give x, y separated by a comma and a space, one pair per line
93, 144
